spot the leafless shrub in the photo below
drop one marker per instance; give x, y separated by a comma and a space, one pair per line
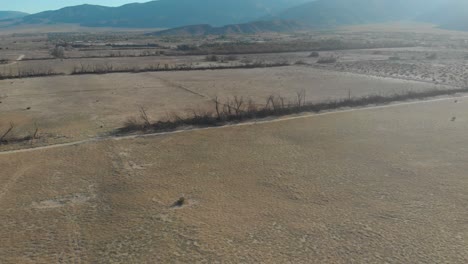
144, 117
314, 54
212, 58
8, 136
58, 52
35, 135
132, 124
301, 62
26, 73
8, 131
236, 109
237, 104
301, 98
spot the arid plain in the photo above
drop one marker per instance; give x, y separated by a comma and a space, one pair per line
372, 184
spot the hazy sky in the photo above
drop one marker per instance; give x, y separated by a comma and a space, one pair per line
34, 6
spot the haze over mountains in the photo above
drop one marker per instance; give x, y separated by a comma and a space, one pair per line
203, 14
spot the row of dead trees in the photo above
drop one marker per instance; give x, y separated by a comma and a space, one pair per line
7, 135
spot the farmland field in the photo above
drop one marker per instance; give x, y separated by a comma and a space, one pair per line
68, 108
376, 185
379, 181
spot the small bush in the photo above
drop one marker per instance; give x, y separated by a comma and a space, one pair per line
7, 135
301, 62
394, 58
314, 54
186, 47
58, 52
212, 58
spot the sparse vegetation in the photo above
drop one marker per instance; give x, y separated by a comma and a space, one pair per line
314, 54
7, 136
301, 62
108, 68
27, 73
295, 46
216, 58
58, 52
179, 203
212, 58
186, 47
237, 109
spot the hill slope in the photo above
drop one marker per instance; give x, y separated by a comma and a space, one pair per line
246, 28
165, 13
345, 12
11, 14
450, 15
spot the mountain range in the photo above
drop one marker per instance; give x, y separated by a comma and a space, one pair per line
11, 15
207, 16
453, 14
165, 13
347, 12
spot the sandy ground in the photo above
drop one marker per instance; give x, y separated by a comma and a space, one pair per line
68, 108
372, 186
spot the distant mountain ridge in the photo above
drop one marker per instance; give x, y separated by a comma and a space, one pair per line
11, 15
165, 13
322, 13
246, 28
450, 14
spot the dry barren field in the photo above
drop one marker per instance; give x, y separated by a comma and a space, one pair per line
384, 185
68, 108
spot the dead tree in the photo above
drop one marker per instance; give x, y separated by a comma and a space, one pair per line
144, 116
7, 132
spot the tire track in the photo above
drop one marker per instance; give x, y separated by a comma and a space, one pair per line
20, 58
12, 180
179, 86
